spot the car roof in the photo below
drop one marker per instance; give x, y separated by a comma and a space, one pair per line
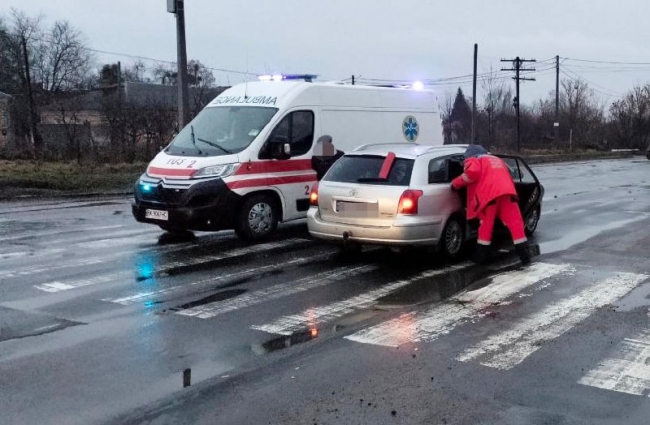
410, 150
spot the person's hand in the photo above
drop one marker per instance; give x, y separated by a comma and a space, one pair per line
451, 186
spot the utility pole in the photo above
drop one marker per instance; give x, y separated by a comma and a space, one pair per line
474, 97
556, 124
516, 63
37, 141
178, 7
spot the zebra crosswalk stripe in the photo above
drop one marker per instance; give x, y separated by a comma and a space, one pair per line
462, 308
628, 371
312, 317
509, 348
277, 291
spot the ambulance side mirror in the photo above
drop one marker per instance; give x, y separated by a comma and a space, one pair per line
280, 149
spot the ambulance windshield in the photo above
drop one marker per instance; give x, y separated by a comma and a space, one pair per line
221, 130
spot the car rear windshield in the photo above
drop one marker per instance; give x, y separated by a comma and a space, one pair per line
365, 169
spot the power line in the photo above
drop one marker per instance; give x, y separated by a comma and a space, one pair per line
608, 62
144, 58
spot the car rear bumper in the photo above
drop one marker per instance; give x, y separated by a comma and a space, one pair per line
397, 235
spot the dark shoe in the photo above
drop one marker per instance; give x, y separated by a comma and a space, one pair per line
523, 251
482, 254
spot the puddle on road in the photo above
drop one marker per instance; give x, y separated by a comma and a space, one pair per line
282, 342
429, 290
219, 296
441, 287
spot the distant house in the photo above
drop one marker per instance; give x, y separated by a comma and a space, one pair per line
5, 121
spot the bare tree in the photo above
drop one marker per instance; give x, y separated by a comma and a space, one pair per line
630, 119
63, 60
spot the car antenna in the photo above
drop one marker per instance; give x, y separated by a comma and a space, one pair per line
246, 82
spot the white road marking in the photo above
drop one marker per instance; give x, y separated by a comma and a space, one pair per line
233, 253
115, 242
71, 230
40, 269
144, 296
509, 348
157, 271
315, 316
43, 328
30, 254
459, 309
64, 286
626, 372
277, 291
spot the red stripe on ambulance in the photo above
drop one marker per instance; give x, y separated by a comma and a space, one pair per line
175, 172
271, 181
262, 167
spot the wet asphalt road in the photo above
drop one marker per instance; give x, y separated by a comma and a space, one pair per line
100, 316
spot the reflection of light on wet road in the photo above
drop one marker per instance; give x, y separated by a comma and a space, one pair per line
583, 233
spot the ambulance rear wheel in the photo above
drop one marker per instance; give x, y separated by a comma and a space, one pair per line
258, 218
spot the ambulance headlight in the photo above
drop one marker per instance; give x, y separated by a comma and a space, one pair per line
223, 170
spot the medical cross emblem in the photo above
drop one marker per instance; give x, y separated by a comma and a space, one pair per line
410, 128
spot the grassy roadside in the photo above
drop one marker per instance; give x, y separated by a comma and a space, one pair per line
30, 178
53, 179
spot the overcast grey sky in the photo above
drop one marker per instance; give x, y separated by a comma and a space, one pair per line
377, 39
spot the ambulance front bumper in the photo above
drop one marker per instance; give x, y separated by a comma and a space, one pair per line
200, 205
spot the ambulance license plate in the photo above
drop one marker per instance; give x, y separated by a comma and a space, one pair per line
156, 215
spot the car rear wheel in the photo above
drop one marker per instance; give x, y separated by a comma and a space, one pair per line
258, 218
530, 222
452, 240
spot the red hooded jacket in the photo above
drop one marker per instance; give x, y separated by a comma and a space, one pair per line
487, 177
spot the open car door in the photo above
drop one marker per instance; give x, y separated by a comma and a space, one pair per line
528, 187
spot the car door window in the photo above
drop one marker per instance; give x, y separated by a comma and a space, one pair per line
525, 173
297, 129
439, 170
513, 168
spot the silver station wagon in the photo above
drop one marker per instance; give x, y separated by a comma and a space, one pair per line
400, 195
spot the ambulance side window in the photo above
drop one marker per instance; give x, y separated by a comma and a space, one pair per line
297, 129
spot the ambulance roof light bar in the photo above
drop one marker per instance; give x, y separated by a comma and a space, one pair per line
288, 77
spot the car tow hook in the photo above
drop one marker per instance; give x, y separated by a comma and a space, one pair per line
346, 238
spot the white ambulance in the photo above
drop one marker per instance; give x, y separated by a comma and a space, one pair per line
245, 161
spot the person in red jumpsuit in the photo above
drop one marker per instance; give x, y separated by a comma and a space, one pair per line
491, 194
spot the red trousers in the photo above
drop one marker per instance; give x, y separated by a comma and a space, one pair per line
504, 208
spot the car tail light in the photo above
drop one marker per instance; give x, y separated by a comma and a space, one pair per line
313, 195
408, 202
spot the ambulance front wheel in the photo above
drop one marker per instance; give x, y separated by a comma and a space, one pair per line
172, 229
258, 218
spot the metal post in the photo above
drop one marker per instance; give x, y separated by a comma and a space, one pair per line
183, 96
474, 97
517, 66
556, 125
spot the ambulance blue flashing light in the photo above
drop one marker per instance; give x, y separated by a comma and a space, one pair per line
146, 187
286, 77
